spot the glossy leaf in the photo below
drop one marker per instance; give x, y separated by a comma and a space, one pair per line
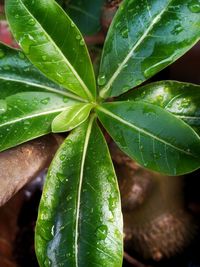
152, 136
53, 44
71, 117
17, 75
145, 37
80, 221
28, 115
85, 13
181, 99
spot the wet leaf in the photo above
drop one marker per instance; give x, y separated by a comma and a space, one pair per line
144, 38
181, 99
152, 136
19, 75
29, 115
79, 217
53, 43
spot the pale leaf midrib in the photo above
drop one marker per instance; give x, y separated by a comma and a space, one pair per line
35, 115
86, 143
126, 59
81, 82
114, 116
44, 87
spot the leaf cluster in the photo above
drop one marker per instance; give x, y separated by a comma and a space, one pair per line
51, 87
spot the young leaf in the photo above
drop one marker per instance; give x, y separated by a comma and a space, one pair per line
85, 13
28, 115
53, 44
71, 117
181, 99
145, 37
152, 136
17, 75
80, 222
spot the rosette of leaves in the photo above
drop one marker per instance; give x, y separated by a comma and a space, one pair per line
50, 87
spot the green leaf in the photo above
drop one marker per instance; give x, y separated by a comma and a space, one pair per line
181, 99
152, 136
71, 117
53, 44
17, 75
25, 116
145, 37
80, 222
85, 13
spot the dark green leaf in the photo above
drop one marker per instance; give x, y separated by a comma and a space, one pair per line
17, 75
181, 99
80, 222
152, 136
28, 115
53, 43
70, 118
85, 13
145, 37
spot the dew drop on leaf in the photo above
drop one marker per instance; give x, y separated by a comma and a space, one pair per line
31, 22
53, 230
102, 232
21, 55
82, 42
26, 41
44, 58
65, 99
78, 37
45, 101
61, 177
194, 6
3, 106
125, 33
101, 80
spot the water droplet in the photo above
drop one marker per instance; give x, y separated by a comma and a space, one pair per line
177, 29
53, 230
102, 232
185, 103
65, 99
159, 99
17, 16
47, 263
26, 122
101, 80
21, 55
31, 22
82, 42
125, 33
194, 6
44, 58
62, 157
78, 37
118, 25
59, 78
61, 177
26, 41
3, 106
45, 101
2, 54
